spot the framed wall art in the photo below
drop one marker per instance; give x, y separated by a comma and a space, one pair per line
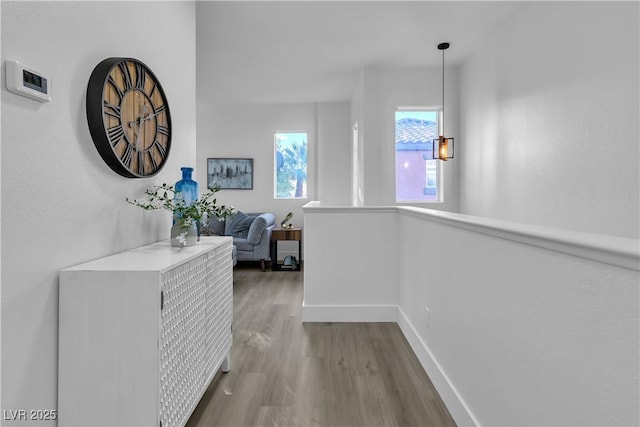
230, 174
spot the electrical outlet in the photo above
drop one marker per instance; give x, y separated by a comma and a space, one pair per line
427, 313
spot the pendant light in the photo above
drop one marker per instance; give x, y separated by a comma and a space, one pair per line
443, 146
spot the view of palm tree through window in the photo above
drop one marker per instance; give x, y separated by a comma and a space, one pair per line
417, 174
290, 165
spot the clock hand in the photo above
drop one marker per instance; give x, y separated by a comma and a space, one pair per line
150, 115
143, 118
135, 132
135, 125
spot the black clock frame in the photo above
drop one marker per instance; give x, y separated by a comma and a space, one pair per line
95, 111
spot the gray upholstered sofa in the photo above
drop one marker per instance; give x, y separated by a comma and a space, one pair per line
251, 234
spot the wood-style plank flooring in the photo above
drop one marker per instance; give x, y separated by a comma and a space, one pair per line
286, 373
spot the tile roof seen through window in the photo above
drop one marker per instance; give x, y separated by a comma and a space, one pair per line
415, 131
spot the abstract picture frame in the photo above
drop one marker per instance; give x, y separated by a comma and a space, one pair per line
230, 173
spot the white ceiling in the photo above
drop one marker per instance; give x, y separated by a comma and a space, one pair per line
313, 51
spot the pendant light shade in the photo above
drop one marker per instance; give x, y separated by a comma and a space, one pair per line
443, 146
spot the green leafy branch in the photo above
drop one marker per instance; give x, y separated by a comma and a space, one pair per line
202, 210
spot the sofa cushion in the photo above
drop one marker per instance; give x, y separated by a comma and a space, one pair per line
217, 226
255, 231
238, 225
243, 245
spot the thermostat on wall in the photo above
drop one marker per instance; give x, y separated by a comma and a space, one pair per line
25, 81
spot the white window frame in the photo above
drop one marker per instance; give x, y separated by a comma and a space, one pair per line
275, 163
439, 164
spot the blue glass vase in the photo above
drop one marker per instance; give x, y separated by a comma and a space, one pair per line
188, 189
187, 186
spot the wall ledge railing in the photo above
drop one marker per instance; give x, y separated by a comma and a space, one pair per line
527, 305
613, 250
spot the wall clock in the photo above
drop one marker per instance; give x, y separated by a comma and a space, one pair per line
129, 118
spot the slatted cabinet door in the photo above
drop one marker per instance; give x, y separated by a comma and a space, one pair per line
194, 340
142, 334
220, 308
183, 364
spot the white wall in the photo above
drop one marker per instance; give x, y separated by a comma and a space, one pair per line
527, 326
61, 204
247, 130
383, 90
527, 336
334, 153
356, 273
549, 126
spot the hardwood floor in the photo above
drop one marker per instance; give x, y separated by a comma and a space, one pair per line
286, 373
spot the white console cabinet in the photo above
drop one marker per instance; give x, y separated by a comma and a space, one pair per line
142, 334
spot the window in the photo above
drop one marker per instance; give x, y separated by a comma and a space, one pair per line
417, 174
356, 169
290, 165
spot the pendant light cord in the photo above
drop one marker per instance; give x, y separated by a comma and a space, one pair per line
443, 133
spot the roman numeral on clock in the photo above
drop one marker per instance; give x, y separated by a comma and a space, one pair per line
140, 162
140, 77
153, 160
126, 75
163, 130
127, 156
153, 89
112, 110
115, 86
115, 134
160, 148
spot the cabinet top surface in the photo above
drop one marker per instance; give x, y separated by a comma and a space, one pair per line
159, 256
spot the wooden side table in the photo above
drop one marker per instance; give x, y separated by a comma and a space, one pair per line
291, 234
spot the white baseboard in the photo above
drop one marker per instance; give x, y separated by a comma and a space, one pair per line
392, 313
452, 400
349, 313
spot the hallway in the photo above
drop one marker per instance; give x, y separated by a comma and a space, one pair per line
286, 373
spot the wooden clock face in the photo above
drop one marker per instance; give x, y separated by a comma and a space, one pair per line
129, 117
